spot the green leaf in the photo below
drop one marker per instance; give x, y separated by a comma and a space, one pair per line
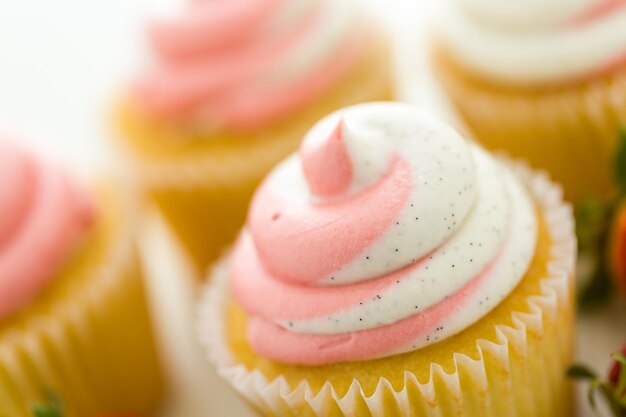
619, 161
51, 408
44, 411
591, 215
593, 221
619, 357
606, 390
598, 291
614, 397
591, 393
620, 389
609, 394
581, 372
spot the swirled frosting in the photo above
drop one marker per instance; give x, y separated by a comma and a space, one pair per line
242, 64
386, 233
535, 41
43, 215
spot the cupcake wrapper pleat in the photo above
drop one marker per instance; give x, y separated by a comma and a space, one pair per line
92, 346
561, 129
521, 372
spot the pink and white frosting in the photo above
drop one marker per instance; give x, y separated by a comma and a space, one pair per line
536, 41
387, 232
43, 215
243, 64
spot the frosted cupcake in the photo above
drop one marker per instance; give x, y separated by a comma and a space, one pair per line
393, 268
73, 313
545, 81
234, 87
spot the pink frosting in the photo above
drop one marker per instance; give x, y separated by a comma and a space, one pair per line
224, 63
44, 215
275, 342
322, 237
591, 15
327, 166
371, 239
210, 26
596, 11
252, 282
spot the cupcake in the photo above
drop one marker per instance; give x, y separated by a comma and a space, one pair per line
545, 81
234, 87
73, 311
394, 268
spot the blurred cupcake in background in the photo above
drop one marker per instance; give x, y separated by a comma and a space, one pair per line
234, 86
393, 268
543, 80
73, 311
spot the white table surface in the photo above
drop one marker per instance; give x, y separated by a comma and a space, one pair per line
61, 63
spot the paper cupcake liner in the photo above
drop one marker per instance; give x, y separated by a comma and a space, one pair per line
561, 129
205, 220
518, 373
371, 79
92, 346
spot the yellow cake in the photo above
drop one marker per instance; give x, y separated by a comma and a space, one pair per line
547, 350
512, 357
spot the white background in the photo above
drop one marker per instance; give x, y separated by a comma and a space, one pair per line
62, 63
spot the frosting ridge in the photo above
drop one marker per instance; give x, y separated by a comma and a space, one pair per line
242, 64
44, 215
536, 42
451, 235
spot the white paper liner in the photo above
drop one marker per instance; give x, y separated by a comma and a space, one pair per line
598, 94
276, 397
206, 169
55, 345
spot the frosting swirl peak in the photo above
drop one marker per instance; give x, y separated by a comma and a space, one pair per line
386, 219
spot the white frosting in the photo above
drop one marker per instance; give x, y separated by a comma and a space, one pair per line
243, 64
525, 15
442, 168
466, 214
338, 19
533, 41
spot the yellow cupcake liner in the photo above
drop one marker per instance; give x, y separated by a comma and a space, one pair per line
520, 371
570, 130
202, 181
89, 338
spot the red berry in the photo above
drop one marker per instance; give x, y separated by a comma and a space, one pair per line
618, 249
616, 370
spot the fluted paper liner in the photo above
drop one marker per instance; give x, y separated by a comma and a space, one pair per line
91, 345
519, 373
557, 128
